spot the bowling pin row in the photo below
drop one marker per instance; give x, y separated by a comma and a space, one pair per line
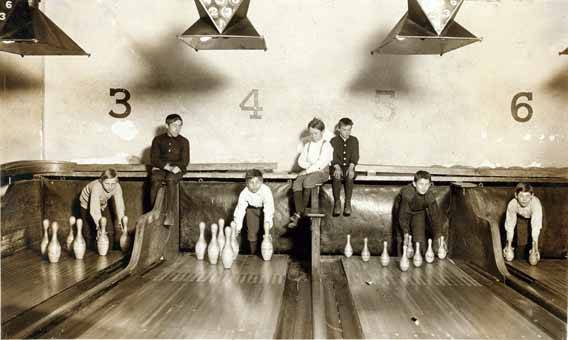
78, 245
408, 252
223, 243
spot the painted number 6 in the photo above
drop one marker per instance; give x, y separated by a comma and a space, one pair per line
516, 106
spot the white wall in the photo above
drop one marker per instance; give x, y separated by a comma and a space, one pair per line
448, 110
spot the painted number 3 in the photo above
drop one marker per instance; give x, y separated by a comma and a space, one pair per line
516, 106
255, 108
121, 101
7, 5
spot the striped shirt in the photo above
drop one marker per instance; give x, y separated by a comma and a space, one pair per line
94, 198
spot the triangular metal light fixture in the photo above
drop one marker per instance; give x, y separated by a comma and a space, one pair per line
565, 52
427, 28
27, 31
223, 25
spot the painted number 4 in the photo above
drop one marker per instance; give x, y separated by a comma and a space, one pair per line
254, 108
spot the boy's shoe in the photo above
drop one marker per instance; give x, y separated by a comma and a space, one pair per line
337, 208
294, 221
347, 209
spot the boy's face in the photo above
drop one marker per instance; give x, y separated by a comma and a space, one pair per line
109, 184
345, 131
253, 184
174, 128
315, 134
422, 185
524, 198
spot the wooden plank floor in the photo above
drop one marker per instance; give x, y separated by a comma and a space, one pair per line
551, 274
187, 298
438, 300
28, 279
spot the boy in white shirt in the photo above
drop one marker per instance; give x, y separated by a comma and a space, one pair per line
527, 205
256, 204
315, 159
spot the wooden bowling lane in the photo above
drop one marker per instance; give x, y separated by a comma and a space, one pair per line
28, 279
187, 299
549, 273
437, 300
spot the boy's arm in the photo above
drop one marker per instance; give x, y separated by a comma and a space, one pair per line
268, 207
324, 159
240, 210
536, 218
95, 203
355, 156
155, 154
511, 219
119, 204
404, 215
335, 160
303, 159
184, 155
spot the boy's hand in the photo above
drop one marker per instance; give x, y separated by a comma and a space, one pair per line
176, 170
405, 239
168, 167
351, 171
337, 172
303, 172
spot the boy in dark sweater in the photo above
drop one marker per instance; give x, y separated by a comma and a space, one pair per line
345, 158
169, 157
418, 208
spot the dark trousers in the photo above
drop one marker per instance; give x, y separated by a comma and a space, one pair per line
336, 184
89, 230
254, 217
171, 180
302, 188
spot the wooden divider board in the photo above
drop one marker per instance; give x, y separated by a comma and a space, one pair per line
188, 299
437, 300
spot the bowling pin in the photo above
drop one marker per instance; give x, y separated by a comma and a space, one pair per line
348, 251
79, 244
266, 248
385, 258
234, 240
417, 259
404, 263
534, 254
102, 238
201, 245
227, 256
213, 248
70, 236
409, 249
430, 252
45, 239
53, 248
442, 249
365, 254
124, 238
221, 236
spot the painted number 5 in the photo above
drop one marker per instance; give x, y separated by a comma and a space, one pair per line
255, 108
121, 101
516, 106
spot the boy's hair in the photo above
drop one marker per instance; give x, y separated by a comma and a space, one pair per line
109, 173
523, 187
316, 123
172, 118
345, 122
252, 173
421, 174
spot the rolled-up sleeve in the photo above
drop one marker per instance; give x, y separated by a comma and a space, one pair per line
268, 203
511, 219
536, 218
240, 210
119, 203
